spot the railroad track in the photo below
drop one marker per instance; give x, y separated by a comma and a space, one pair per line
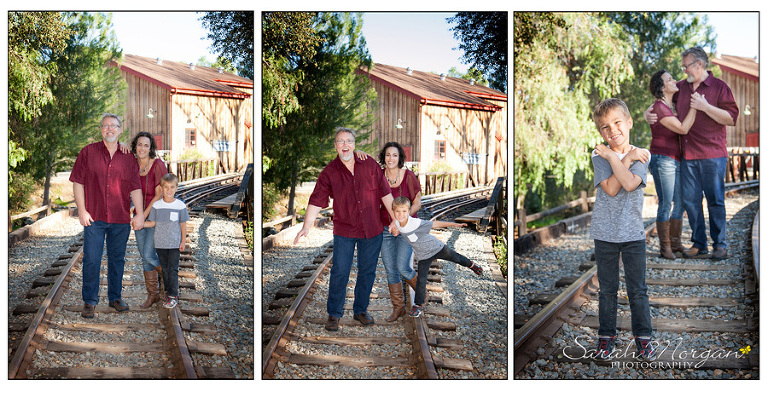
49, 339
541, 337
296, 316
199, 192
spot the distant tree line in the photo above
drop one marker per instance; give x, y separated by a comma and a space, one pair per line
565, 63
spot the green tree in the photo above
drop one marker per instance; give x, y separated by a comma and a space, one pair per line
232, 35
483, 37
32, 38
472, 73
330, 95
560, 73
287, 38
83, 87
657, 39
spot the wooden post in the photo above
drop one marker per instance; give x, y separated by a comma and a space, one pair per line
584, 203
523, 228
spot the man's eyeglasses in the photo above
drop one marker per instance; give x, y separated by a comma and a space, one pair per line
109, 126
685, 67
348, 142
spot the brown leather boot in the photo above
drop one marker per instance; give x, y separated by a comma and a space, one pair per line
153, 292
398, 303
675, 229
412, 283
664, 250
160, 285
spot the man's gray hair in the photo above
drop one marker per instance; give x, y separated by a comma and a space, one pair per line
114, 116
344, 129
699, 54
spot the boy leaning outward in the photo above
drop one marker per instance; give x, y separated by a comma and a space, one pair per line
426, 247
617, 227
169, 216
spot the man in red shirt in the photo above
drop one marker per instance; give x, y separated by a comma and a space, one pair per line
106, 181
705, 154
357, 187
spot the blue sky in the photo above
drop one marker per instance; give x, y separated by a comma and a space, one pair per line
420, 40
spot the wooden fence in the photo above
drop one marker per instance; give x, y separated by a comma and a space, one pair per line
438, 182
741, 161
188, 170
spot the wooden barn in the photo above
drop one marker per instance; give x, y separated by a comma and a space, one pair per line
185, 107
743, 76
442, 120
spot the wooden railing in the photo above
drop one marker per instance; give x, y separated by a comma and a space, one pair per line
188, 170
742, 160
438, 182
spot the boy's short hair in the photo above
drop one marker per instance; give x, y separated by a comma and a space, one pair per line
170, 178
602, 109
400, 201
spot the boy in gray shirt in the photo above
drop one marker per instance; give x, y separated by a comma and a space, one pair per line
169, 216
617, 228
426, 247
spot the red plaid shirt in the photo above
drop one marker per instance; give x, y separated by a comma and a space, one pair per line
706, 139
108, 182
356, 198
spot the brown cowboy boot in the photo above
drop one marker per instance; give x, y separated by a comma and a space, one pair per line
664, 248
160, 285
675, 229
398, 302
412, 283
153, 290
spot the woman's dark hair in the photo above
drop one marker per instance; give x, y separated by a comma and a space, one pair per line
657, 84
400, 151
152, 143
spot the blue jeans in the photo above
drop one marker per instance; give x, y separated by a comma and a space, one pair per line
396, 255
367, 259
707, 176
145, 242
607, 259
116, 236
669, 189
446, 253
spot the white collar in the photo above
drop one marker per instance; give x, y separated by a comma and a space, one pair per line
410, 226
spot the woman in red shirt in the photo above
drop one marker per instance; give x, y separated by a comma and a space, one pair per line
151, 169
665, 162
395, 252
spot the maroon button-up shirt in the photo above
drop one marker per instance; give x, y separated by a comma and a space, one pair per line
356, 198
706, 139
108, 182
663, 140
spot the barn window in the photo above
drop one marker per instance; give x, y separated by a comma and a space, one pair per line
190, 138
439, 150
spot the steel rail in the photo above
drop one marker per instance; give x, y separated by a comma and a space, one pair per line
25, 350
756, 246
298, 306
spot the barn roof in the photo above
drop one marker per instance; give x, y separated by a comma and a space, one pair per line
744, 67
428, 88
180, 78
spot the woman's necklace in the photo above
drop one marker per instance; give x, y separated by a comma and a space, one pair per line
144, 169
669, 104
397, 176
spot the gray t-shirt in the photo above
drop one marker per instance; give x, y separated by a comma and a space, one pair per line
167, 217
617, 219
416, 233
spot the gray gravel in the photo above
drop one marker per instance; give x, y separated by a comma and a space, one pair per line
223, 280
535, 272
476, 305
